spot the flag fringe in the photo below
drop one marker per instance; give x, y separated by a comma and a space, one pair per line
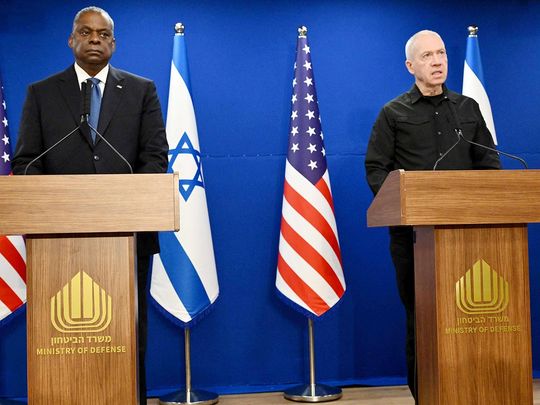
14, 315
308, 314
194, 321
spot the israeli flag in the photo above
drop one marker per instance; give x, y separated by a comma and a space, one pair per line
184, 280
473, 81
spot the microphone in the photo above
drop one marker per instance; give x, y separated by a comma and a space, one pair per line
85, 112
85, 101
87, 94
460, 135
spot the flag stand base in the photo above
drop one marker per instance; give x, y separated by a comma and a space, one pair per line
313, 393
190, 397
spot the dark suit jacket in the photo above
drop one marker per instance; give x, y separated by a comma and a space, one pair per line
130, 119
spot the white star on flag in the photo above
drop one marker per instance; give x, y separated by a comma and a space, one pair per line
5, 156
294, 115
307, 65
309, 98
308, 81
5, 121
311, 131
312, 148
310, 114
5, 139
294, 98
295, 147
294, 131
306, 49
312, 164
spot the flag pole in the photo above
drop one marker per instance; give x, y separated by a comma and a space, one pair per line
312, 392
189, 396
473, 30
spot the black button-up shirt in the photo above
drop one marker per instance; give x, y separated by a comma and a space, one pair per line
412, 131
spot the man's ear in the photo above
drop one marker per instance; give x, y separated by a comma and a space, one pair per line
409, 66
114, 44
70, 41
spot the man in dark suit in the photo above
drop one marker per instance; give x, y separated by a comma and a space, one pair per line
130, 119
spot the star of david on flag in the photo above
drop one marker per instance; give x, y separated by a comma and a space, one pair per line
309, 270
184, 280
12, 248
185, 148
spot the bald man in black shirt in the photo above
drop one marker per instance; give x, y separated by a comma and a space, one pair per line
414, 131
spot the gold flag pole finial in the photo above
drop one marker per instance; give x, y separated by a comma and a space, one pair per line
302, 31
473, 30
179, 28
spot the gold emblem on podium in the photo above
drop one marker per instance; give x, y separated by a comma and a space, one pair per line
481, 290
81, 306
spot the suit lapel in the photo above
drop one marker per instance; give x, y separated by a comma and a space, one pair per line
70, 90
114, 91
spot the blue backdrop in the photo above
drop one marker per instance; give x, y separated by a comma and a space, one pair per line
241, 58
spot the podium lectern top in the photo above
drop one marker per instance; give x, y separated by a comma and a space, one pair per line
88, 203
457, 197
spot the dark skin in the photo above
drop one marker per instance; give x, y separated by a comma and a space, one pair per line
92, 42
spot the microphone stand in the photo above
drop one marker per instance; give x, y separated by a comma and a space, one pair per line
110, 146
461, 136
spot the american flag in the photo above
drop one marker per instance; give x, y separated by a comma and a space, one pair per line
309, 270
12, 249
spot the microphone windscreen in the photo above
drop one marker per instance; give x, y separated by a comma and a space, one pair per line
85, 100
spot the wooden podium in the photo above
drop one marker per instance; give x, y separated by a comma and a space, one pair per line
471, 279
81, 278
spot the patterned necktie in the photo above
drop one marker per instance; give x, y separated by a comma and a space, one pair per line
95, 106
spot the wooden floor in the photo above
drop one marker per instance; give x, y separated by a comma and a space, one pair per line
358, 396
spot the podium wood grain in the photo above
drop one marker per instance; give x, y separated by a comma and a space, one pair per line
471, 349
457, 197
86, 377
76, 224
89, 203
479, 358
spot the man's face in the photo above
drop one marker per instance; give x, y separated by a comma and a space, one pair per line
428, 63
92, 42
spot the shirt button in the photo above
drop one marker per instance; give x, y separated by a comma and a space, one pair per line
439, 132
436, 113
96, 157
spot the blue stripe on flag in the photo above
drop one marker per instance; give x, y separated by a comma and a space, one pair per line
472, 58
184, 278
180, 59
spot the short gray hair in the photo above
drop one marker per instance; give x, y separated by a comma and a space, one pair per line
409, 46
92, 9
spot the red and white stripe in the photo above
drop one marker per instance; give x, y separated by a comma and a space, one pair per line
310, 271
12, 274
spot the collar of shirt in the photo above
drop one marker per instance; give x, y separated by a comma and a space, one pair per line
83, 76
415, 94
